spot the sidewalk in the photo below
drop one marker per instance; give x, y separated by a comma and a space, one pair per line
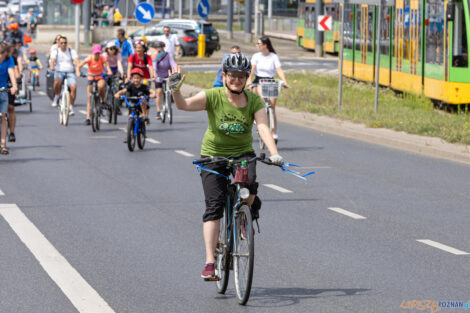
430, 146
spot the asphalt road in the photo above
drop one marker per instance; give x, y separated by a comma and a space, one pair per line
121, 231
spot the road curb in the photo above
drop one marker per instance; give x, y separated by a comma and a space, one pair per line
430, 146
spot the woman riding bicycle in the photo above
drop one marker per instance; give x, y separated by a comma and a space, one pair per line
113, 56
162, 64
231, 111
265, 64
96, 72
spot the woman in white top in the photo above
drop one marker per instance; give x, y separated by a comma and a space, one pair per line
264, 65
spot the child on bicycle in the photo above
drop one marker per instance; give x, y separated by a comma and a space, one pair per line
96, 65
135, 88
34, 64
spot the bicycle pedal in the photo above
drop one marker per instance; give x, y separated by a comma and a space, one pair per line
213, 278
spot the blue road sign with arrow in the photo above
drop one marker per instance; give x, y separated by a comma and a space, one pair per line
144, 12
203, 8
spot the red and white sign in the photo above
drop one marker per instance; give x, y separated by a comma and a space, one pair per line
325, 23
78, 1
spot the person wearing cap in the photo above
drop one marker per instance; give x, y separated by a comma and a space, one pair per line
64, 61
135, 88
113, 56
96, 66
33, 64
162, 64
15, 33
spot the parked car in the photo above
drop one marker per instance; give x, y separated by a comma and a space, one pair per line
187, 37
199, 27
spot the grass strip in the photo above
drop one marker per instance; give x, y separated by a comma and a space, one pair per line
318, 94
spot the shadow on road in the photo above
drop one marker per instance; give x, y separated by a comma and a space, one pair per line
26, 160
281, 297
37, 146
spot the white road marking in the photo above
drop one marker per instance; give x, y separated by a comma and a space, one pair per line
102, 137
184, 153
1, 193
73, 285
41, 93
280, 189
103, 120
442, 246
153, 141
82, 111
123, 129
347, 213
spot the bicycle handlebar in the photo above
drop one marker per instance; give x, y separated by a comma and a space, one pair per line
223, 160
133, 98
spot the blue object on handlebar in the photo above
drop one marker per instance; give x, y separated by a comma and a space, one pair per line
297, 174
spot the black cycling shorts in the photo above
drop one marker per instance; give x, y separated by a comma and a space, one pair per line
215, 187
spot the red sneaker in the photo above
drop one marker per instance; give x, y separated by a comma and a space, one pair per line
208, 271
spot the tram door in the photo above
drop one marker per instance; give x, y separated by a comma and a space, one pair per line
415, 29
364, 57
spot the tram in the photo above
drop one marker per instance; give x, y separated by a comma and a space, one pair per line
423, 47
306, 23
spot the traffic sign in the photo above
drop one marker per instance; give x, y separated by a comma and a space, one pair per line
144, 13
78, 1
203, 8
325, 23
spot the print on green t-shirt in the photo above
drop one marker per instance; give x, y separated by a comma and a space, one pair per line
229, 131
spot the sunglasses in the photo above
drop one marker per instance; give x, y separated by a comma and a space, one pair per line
239, 77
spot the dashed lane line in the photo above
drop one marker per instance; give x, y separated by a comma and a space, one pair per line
42, 93
184, 153
153, 141
1, 193
82, 111
73, 285
280, 189
347, 213
442, 247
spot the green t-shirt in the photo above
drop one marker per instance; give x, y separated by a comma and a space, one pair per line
229, 129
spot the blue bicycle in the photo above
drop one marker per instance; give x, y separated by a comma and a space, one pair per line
135, 124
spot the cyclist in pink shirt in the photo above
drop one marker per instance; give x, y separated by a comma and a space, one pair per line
96, 65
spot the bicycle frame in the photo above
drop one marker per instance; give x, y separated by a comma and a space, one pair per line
134, 113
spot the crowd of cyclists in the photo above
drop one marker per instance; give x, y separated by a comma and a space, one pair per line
232, 108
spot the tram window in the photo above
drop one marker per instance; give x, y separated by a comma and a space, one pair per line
348, 26
434, 21
385, 31
406, 30
370, 28
301, 13
358, 27
459, 46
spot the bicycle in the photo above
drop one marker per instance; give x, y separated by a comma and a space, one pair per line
270, 88
64, 103
167, 111
34, 77
113, 104
96, 109
235, 247
135, 123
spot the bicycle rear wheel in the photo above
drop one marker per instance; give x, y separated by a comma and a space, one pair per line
110, 105
222, 258
243, 254
141, 136
29, 97
130, 135
33, 81
97, 114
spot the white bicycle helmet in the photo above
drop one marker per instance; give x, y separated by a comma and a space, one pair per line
237, 62
111, 44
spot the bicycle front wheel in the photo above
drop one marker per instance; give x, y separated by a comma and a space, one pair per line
222, 258
169, 109
243, 254
93, 114
164, 110
65, 109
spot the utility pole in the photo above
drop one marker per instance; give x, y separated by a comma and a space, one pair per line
248, 14
230, 19
256, 18
191, 9
318, 33
270, 9
180, 9
77, 27
87, 21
